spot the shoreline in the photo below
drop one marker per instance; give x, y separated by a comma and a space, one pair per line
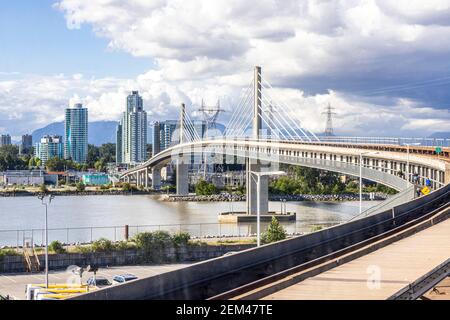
76, 193
223, 197
297, 198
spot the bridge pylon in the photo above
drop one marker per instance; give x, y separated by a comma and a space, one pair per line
182, 168
255, 165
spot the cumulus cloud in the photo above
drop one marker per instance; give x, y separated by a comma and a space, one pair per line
312, 51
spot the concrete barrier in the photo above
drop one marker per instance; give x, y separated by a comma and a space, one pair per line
14, 264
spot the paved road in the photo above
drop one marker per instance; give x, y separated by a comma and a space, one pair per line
14, 284
379, 274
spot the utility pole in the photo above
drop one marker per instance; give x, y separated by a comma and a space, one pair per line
46, 204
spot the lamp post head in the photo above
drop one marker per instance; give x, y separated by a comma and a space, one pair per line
268, 173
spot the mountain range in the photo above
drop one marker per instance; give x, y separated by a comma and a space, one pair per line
440, 135
100, 132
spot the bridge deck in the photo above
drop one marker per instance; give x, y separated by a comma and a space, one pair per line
399, 263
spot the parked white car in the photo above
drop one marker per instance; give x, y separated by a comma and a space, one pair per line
122, 278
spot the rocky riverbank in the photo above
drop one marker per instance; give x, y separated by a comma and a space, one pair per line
225, 197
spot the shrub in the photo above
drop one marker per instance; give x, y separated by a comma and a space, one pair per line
181, 238
80, 187
203, 188
102, 245
83, 249
8, 252
152, 240
123, 245
43, 189
56, 247
153, 244
275, 232
316, 228
128, 187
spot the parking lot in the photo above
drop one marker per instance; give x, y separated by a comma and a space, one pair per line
14, 284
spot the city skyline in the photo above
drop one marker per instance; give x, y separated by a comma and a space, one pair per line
368, 69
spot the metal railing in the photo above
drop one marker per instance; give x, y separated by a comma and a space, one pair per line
397, 141
396, 200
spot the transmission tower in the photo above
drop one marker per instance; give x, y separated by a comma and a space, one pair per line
329, 127
210, 114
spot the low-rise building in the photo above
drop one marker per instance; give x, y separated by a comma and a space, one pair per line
28, 178
96, 179
23, 177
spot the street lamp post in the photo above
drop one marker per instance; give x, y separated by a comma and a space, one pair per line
360, 176
258, 206
407, 160
46, 204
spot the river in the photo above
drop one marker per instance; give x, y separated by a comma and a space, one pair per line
145, 213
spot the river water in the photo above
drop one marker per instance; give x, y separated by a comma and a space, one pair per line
84, 218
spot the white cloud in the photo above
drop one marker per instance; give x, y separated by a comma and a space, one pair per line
206, 49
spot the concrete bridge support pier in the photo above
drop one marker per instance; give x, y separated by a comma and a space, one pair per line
182, 179
156, 178
252, 197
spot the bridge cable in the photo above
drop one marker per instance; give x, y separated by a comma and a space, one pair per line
290, 109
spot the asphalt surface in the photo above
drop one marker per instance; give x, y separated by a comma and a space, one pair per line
14, 284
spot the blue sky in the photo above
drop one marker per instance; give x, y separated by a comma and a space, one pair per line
34, 39
383, 65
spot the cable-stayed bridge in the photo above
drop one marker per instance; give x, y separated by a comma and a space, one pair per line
354, 260
262, 133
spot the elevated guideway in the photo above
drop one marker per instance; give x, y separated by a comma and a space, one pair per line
242, 274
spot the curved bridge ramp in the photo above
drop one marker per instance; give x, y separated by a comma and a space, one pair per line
236, 275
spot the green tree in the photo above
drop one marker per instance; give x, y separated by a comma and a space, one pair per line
203, 188
56, 164
100, 165
275, 232
32, 163
93, 155
107, 152
10, 159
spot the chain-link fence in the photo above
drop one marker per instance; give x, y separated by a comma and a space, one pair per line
201, 231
